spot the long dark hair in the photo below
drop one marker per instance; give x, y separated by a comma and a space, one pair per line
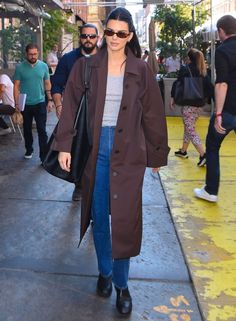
123, 14
197, 58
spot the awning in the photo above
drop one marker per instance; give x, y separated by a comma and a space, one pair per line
51, 4
28, 8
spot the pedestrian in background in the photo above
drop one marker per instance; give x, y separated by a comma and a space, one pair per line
161, 62
32, 78
88, 46
127, 120
7, 106
190, 114
224, 119
52, 59
172, 64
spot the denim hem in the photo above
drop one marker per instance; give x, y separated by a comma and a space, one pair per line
120, 288
106, 276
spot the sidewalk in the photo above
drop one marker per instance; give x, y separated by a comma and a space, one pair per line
45, 277
207, 231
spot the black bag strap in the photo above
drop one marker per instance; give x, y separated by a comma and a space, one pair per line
87, 71
191, 75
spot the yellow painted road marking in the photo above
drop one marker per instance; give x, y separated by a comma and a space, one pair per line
207, 231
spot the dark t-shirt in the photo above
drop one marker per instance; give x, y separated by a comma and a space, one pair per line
225, 65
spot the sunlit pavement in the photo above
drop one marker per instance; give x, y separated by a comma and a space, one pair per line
207, 232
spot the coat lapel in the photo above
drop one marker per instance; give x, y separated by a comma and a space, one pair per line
99, 70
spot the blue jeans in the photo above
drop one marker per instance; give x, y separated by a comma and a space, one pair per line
213, 144
107, 266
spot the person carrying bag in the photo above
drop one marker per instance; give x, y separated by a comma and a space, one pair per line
81, 143
189, 91
129, 133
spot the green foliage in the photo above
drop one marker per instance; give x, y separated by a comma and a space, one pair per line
14, 41
53, 28
176, 27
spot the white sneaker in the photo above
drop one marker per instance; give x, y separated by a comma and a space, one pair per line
202, 193
5, 131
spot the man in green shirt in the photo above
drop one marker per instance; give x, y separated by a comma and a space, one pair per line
32, 78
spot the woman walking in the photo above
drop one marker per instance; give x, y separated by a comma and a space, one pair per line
191, 114
129, 133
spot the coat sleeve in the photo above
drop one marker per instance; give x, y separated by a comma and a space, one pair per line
154, 123
71, 98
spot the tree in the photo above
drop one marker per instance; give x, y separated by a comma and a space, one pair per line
176, 27
53, 29
14, 41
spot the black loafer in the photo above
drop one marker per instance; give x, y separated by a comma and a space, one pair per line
104, 286
123, 301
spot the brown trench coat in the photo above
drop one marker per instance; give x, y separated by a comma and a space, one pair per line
140, 141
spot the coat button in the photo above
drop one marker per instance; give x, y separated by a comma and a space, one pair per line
115, 196
114, 174
124, 108
126, 86
157, 148
117, 151
120, 130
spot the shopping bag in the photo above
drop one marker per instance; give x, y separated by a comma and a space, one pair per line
189, 91
81, 144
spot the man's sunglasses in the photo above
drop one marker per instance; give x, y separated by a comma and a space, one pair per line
85, 36
120, 34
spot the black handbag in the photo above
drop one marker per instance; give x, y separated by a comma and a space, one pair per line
189, 91
81, 144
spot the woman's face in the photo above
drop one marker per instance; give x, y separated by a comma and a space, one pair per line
117, 28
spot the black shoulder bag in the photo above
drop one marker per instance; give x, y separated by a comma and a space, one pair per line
81, 144
189, 91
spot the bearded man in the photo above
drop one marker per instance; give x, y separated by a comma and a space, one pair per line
32, 78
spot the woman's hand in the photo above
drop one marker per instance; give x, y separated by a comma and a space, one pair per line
172, 103
64, 160
155, 170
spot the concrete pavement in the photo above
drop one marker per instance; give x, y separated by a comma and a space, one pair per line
44, 276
